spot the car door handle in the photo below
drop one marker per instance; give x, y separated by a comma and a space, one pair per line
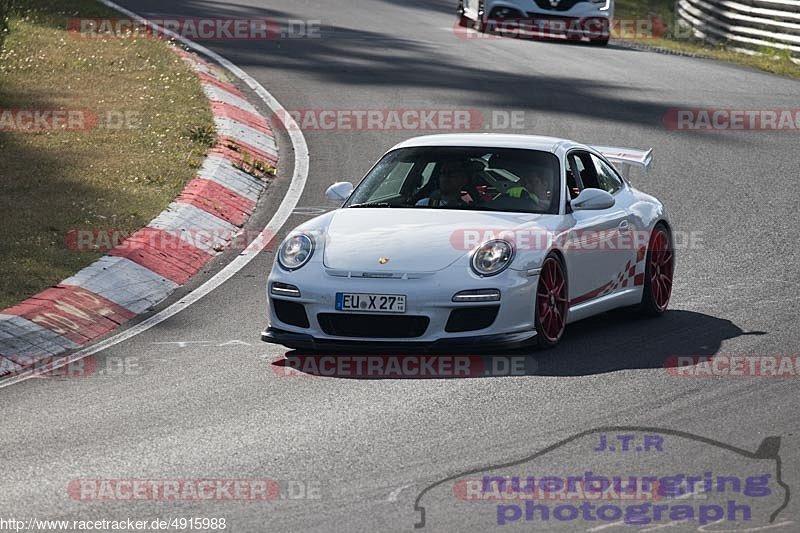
624, 226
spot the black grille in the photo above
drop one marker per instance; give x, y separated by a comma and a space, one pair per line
373, 326
565, 20
292, 313
505, 13
562, 5
471, 318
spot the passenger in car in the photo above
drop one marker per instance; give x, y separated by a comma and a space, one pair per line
452, 180
535, 185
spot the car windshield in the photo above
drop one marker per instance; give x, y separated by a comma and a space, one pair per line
468, 178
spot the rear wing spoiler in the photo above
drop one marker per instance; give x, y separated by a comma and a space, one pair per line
625, 158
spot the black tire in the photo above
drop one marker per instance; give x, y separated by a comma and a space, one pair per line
598, 31
655, 300
546, 334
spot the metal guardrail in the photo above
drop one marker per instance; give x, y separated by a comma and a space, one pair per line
749, 24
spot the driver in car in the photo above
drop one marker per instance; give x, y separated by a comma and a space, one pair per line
452, 180
533, 185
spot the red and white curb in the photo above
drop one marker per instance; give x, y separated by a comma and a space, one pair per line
157, 259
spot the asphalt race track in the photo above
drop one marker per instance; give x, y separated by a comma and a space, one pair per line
200, 397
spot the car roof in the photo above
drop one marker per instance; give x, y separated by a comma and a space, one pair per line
493, 140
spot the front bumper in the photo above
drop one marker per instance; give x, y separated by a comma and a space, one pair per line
428, 295
539, 8
302, 341
533, 21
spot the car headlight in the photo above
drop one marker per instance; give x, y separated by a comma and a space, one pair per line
295, 251
492, 258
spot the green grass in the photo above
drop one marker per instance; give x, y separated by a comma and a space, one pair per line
51, 182
771, 60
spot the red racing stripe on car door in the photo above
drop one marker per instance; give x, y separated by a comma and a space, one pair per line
591, 294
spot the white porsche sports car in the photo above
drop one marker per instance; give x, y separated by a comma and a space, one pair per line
466, 240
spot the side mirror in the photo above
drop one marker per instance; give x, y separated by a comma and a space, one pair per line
592, 199
339, 191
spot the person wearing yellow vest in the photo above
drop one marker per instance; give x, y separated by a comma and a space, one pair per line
521, 192
533, 186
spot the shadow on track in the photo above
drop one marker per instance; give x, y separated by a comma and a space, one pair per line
385, 60
610, 342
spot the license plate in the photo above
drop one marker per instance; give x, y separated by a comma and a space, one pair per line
371, 303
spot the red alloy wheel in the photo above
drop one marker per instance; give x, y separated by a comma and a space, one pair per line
660, 268
551, 301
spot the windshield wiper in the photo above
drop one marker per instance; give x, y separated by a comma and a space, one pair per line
472, 207
373, 204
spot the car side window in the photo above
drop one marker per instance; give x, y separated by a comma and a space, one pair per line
588, 173
573, 176
584, 172
607, 178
